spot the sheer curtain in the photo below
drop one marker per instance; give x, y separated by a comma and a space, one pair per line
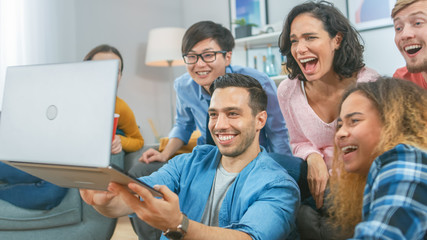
35, 32
9, 37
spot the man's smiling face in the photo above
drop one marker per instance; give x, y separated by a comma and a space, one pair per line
410, 26
205, 73
232, 124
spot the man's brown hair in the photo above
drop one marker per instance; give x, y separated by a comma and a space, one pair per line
400, 5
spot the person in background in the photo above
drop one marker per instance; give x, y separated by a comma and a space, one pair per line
128, 137
410, 26
379, 179
324, 57
207, 49
233, 190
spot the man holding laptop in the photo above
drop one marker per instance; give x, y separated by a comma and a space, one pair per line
250, 195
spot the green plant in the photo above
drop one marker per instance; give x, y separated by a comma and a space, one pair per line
242, 22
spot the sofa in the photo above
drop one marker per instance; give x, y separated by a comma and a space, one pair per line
71, 219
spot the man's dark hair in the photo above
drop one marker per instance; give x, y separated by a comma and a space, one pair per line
257, 95
104, 48
204, 30
348, 58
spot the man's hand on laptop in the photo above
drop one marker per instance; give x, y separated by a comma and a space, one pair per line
95, 197
107, 203
165, 214
161, 213
116, 146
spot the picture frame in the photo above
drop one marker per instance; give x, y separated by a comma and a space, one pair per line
370, 14
253, 11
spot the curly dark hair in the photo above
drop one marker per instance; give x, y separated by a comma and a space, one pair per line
348, 58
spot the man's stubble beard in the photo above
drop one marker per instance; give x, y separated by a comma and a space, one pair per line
417, 68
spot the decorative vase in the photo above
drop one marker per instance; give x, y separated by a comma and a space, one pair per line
269, 63
243, 31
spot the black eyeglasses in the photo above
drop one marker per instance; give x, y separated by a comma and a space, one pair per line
207, 57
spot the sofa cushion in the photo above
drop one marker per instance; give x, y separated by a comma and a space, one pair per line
26, 191
69, 211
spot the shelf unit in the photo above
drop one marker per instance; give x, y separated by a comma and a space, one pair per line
259, 41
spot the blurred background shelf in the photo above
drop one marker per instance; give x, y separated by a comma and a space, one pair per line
258, 41
279, 78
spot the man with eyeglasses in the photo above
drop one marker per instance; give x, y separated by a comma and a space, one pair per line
207, 49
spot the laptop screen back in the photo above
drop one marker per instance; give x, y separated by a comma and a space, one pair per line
59, 113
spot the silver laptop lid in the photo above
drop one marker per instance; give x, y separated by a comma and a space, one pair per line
59, 113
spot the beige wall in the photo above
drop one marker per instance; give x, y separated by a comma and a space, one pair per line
125, 24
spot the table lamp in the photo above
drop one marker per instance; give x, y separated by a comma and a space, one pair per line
164, 50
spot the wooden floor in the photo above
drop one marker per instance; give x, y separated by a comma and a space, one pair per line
124, 230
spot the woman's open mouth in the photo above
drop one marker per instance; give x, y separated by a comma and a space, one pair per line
349, 149
309, 64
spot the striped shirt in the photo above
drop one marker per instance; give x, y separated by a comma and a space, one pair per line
395, 198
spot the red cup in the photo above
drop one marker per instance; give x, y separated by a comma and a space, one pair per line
116, 121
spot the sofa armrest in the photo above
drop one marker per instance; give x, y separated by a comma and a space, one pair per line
66, 213
89, 225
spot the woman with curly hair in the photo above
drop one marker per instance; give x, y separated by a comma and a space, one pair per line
379, 178
324, 56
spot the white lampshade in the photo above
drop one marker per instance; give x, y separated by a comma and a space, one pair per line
164, 47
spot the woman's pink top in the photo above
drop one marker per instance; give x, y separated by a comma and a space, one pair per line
307, 132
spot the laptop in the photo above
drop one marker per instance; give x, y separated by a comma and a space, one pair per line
57, 123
